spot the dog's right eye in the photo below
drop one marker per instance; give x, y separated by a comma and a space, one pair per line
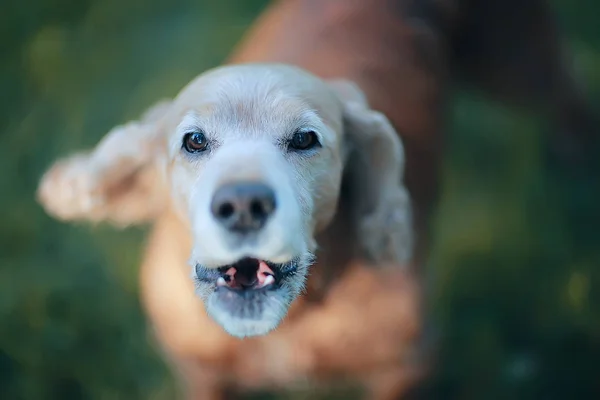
304, 140
195, 142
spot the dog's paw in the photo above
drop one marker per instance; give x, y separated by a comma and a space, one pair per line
70, 189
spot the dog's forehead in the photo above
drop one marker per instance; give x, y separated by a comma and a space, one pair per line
259, 97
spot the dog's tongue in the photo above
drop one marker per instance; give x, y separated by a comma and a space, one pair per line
231, 273
263, 273
244, 278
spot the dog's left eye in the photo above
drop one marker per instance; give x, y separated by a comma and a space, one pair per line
195, 142
304, 140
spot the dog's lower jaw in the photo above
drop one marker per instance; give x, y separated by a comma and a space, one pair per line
247, 312
242, 326
245, 328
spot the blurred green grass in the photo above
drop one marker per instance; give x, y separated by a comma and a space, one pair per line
516, 250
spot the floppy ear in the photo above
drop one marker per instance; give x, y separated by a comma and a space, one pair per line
379, 204
118, 181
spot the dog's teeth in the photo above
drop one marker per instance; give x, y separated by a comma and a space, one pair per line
221, 281
269, 280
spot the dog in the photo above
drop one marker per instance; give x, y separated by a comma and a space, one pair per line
360, 316
242, 171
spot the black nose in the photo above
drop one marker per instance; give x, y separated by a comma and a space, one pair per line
243, 207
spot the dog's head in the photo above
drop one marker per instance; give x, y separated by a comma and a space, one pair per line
254, 157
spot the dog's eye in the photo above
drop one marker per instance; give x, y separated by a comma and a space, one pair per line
304, 140
195, 142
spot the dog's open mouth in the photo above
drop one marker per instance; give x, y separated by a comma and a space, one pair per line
250, 296
247, 274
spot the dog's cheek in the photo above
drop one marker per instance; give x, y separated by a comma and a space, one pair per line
184, 186
326, 195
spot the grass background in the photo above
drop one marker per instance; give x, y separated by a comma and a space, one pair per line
516, 253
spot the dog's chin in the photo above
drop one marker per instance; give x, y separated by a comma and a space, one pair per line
248, 313
251, 297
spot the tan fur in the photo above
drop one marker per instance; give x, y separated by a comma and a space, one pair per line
362, 319
357, 329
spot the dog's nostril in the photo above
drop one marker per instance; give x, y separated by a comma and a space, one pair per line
258, 209
243, 207
226, 210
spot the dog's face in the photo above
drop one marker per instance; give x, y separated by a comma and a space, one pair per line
254, 165
253, 157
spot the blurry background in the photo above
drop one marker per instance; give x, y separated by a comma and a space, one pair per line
516, 252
